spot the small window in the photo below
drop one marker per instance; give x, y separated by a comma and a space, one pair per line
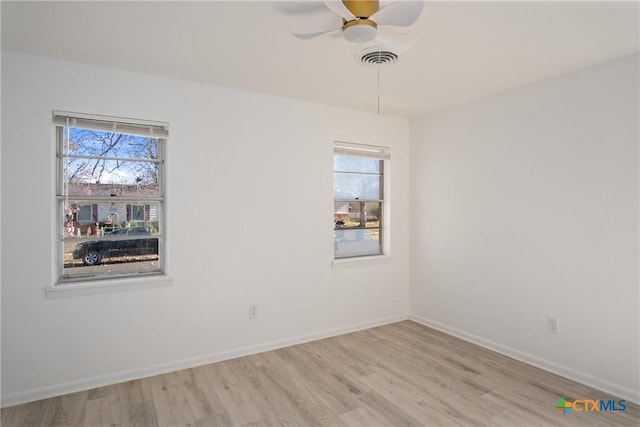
358, 176
137, 213
85, 213
110, 197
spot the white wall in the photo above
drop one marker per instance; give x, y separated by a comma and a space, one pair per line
526, 206
235, 159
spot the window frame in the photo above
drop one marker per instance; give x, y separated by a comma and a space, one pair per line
142, 128
383, 154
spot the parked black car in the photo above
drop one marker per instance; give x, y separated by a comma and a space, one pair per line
92, 252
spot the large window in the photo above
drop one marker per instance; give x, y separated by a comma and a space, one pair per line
358, 172
110, 196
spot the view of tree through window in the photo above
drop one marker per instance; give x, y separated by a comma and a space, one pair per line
358, 205
96, 157
110, 197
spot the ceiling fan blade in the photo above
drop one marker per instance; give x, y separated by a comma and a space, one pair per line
337, 7
399, 13
395, 40
309, 36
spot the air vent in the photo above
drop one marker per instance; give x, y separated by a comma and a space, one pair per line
377, 57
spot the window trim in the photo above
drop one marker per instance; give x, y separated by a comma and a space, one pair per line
382, 153
360, 261
70, 289
63, 286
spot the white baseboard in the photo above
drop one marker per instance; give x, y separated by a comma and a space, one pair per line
118, 377
564, 371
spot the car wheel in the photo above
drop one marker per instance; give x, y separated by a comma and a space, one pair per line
92, 258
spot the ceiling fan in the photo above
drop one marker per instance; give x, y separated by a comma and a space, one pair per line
365, 20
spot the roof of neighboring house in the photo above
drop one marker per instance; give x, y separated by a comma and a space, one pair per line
114, 190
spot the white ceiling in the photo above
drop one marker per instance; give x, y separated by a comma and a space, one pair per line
465, 50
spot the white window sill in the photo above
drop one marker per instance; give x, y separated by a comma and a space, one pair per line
113, 285
359, 261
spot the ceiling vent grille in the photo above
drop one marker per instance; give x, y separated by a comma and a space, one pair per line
377, 57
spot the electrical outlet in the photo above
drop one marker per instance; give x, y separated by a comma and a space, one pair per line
553, 325
253, 311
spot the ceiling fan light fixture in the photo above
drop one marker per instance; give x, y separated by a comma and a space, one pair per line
360, 31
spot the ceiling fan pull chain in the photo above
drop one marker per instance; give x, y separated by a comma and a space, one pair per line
378, 88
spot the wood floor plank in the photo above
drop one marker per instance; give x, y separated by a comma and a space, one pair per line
210, 401
333, 393
360, 417
266, 393
30, 414
314, 410
239, 405
402, 374
387, 411
68, 410
139, 391
416, 402
195, 393
170, 405
441, 382
104, 410
142, 414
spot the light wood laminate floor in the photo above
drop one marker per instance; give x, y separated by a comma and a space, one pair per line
403, 374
